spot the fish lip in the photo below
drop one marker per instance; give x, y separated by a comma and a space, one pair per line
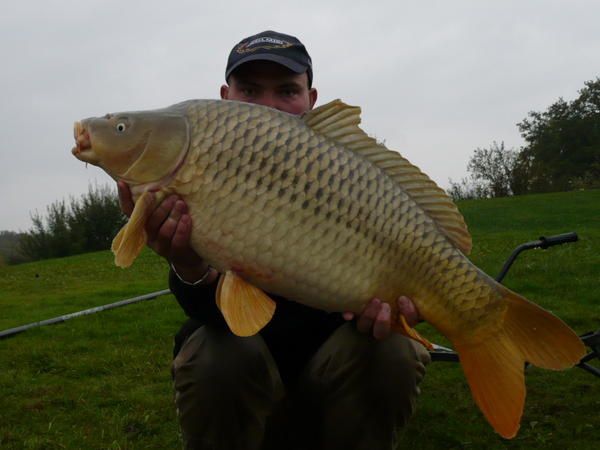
83, 141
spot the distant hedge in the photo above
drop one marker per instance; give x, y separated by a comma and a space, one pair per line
86, 224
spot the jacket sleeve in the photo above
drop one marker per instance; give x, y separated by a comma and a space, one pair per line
198, 302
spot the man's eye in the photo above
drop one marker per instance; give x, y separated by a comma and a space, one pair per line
289, 92
248, 92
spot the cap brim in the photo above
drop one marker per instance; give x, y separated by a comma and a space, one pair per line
287, 62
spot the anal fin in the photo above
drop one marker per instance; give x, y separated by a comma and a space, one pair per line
246, 308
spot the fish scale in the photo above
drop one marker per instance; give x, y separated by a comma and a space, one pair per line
313, 209
358, 236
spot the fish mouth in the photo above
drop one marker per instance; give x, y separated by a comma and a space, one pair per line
83, 143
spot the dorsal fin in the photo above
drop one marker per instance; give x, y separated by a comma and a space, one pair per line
339, 122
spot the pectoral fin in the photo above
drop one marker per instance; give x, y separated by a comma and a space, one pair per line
130, 240
404, 328
246, 308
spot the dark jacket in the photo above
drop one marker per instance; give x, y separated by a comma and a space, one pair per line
293, 335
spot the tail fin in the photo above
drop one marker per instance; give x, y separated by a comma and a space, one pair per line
494, 368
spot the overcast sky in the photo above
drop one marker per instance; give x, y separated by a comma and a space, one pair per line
435, 79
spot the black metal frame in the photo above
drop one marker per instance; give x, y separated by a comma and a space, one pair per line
590, 339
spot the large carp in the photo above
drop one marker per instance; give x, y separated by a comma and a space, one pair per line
311, 208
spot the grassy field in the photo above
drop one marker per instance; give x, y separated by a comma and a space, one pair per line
103, 381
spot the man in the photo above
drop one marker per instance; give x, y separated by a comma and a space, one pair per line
308, 380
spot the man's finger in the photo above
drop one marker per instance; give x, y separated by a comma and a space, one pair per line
382, 325
364, 324
158, 217
125, 199
164, 239
408, 309
181, 238
348, 315
182, 254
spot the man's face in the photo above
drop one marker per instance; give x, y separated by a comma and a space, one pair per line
270, 84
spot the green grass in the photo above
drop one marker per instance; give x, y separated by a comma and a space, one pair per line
561, 410
99, 381
103, 381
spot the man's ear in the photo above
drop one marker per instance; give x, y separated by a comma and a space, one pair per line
312, 97
224, 92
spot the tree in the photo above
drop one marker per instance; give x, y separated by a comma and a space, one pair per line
467, 189
86, 224
51, 236
493, 167
9, 248
96, 218
35, 243
490, 174
563, 145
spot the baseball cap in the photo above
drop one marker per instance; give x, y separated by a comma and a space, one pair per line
271, 46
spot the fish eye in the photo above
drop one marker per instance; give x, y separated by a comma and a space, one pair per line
120, 127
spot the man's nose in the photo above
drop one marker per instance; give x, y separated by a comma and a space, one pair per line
268, 99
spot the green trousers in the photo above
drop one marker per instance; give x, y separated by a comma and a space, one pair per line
354, 393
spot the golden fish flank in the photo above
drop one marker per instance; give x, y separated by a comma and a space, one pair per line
313, 209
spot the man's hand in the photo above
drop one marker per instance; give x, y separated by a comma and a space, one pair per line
169, 228
376, 317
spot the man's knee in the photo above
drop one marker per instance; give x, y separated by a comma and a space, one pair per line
373, 381
400, 354
216, 360
225, 388
350, 352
